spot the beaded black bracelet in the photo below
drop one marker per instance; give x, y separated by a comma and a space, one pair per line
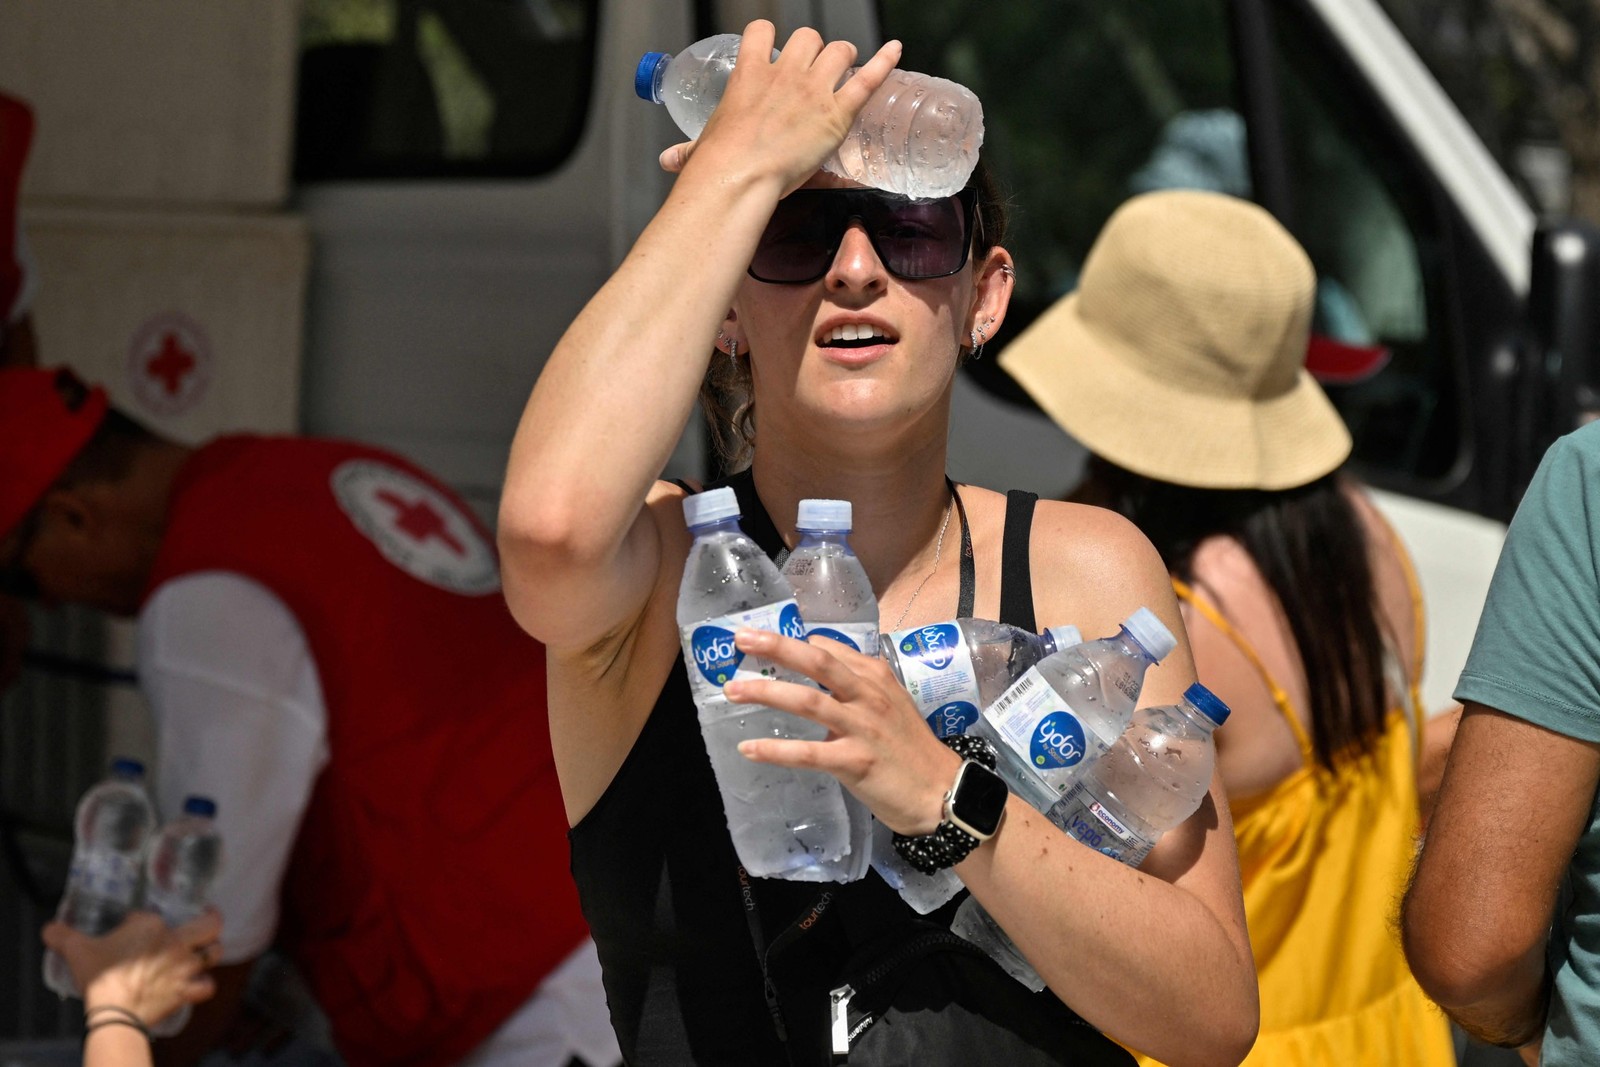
948, 844
112, 1015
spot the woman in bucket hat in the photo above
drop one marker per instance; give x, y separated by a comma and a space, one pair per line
1179, 364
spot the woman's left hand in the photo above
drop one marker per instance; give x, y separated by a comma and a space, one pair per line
878, 746
142, 965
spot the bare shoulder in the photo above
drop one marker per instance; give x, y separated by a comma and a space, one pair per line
1097, 546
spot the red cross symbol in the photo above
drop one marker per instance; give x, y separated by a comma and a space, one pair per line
172, 364
420, 521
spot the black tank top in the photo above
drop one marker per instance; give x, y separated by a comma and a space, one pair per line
669, 909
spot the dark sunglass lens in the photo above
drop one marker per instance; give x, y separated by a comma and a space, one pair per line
923, 239
798, 243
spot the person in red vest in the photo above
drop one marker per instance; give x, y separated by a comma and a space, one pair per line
324, 647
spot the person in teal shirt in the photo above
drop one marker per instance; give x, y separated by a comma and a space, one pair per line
1502, 920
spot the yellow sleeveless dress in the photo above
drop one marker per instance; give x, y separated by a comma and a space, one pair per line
1324, 857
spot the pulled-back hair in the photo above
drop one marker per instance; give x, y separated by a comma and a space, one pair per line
726, 400
1311, 548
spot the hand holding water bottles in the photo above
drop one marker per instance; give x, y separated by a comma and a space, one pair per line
878, 745
142, 966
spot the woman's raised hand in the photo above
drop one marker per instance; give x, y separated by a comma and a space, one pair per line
789, 114
141, 966
878, 746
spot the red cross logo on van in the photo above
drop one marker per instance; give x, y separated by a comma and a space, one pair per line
169, 364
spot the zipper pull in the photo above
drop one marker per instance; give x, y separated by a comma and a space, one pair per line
774, 1010
839, 1000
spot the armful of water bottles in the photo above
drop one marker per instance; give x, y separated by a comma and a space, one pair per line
1082, 918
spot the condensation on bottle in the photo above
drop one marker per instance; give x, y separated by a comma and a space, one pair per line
112, 828
837, 602
917, 135
183, 863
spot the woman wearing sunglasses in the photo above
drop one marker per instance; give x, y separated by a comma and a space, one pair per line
836, 317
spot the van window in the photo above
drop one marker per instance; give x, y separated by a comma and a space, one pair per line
441, 88
1361, 208
1085, 103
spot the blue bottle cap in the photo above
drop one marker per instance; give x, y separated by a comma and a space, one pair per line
647, 78
123, 767
195, 805
1207, 702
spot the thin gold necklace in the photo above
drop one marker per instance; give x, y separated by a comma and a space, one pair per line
938, 549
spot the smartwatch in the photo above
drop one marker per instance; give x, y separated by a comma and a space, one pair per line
973, 810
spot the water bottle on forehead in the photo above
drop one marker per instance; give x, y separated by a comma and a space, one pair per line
112, 828
917, 135
785, 823
837, 602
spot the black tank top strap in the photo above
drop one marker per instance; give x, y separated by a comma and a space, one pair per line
969, 566
1016, 577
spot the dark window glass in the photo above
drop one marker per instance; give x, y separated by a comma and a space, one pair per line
1085, 103
1376, 235
441, 88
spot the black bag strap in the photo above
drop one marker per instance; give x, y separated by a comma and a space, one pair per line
1016, 578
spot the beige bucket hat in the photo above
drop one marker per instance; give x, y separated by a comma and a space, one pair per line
1181, 354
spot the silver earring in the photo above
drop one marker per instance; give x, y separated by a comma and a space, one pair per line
977, 342
733, 351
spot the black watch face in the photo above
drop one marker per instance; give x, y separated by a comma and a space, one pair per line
980, 799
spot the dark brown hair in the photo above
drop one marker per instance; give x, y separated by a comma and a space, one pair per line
1311, 548
725, 397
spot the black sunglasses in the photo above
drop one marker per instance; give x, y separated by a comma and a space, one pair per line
914, 239
15, 579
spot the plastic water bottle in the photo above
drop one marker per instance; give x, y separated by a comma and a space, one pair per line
183, 862
785, 823
1152, 779
837, 602
113, 826
1070, 707
917, 135
953, 670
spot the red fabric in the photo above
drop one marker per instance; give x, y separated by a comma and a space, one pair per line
429, 890
16, 135
1338, 363
46, 417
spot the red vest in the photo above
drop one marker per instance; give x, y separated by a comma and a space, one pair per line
428, 893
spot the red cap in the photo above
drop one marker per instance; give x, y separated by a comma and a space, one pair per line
1337, 363
16, 134
46, 417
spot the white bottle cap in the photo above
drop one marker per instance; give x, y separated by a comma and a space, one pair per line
1151, 633
713, 505
824, 515
1065, 636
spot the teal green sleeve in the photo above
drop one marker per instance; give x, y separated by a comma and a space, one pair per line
1537, 650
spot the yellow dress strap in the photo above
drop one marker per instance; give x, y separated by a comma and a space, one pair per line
1279, 697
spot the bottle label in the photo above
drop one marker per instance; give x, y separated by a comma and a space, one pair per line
109, 875
937, 670
714, 660
857, 636
1092, 823
1033, 719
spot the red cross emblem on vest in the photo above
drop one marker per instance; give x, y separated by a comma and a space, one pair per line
416, 526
